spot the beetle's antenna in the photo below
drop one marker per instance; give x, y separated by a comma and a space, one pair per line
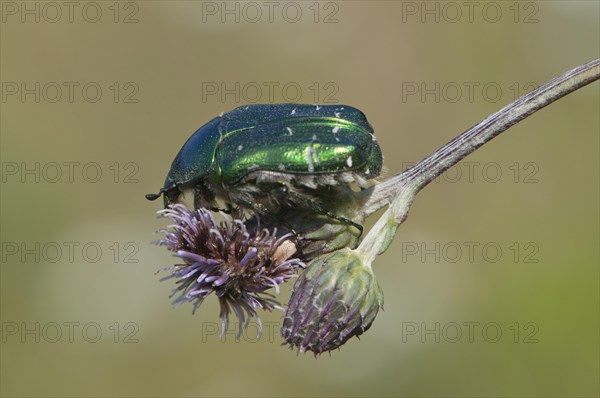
154, 196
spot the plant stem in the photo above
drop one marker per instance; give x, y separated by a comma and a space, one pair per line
401, 188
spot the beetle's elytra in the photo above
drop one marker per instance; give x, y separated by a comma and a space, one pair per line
250, 155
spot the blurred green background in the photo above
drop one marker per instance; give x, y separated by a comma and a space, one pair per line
90, 323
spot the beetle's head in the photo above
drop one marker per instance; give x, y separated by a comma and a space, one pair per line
170, 194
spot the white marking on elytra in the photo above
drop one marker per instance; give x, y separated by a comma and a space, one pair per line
335, 131
373, 137
337, 114
317, 106
221, 114
314, 137
367, 171
293, 111
240, 147
349, 161
342, 108
309, 159
289, 130
246, 108
281, 166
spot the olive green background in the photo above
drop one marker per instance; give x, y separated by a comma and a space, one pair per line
367, 55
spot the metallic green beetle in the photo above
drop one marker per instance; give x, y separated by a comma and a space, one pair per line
258, 156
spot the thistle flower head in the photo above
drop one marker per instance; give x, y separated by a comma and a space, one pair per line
235, 262
335, 298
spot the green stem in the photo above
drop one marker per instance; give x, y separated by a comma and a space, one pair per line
402, 188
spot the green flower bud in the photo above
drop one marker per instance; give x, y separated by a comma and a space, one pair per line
335, 298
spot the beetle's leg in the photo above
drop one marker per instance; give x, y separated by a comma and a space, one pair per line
227, 210
261, 209
330, 214
315, 206
199, 193
197, 197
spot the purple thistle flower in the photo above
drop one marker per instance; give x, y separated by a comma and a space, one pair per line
236, 261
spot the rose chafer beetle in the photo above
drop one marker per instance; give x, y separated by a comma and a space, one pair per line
262, 157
